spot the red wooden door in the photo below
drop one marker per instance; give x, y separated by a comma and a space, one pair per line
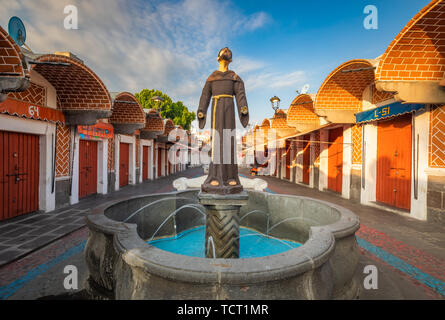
159, 162
306, 158
335, 160
144, 163
394, 138
87, 168
288, 159
124, 163
19, 174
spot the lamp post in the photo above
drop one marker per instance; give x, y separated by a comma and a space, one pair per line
275, 101
157, 100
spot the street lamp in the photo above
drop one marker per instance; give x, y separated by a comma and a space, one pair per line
275, 103
157, 100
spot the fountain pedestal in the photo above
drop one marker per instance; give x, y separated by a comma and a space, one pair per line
222, 223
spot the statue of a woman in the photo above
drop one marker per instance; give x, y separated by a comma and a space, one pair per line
222, 86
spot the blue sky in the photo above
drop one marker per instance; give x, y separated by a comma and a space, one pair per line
278, 46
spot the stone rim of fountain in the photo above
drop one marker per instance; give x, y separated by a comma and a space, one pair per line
313, 253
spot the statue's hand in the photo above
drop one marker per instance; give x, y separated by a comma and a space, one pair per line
244, 116
201, 119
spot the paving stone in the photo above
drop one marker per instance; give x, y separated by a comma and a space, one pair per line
17, 232
8, 227
65, 229
67, 220
47, 222
17, 241
10, 254
33, 219
38, 242
42, 230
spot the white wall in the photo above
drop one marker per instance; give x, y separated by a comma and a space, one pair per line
369, 156
421, 129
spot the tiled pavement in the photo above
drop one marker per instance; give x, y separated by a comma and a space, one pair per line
408, 253
409, 247
24, 234
27, 233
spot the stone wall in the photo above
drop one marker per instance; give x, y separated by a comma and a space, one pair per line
111, 181
356, 175
436, 199
62, 190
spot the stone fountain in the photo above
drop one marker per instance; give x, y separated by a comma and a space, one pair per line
256, 245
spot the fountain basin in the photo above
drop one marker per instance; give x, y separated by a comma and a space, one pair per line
122, 265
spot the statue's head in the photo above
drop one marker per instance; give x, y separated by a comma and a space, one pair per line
225, 54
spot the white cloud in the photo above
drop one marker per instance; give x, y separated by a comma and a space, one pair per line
275, 80
132, 45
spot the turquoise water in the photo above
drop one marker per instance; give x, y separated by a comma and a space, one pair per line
252, 244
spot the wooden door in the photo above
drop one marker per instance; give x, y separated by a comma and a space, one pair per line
124, 164
145, 163
306, 158
394, 144
87, 168
19, 174
335, 160
288, 159
159, 162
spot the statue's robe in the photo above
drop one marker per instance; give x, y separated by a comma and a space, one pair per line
223, 117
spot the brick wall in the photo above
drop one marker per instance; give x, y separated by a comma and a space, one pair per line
127, 112
34, 94
302, 111
316, 146
111, 154
418, 51
63, 151
10, 55
168, 126
279, 120
138, 143
437, 137
77, 86
343, 91
356, 138
380, 96
154, 124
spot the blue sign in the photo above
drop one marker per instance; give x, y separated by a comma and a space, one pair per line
388, 111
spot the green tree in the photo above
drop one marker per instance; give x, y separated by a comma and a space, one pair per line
176, 111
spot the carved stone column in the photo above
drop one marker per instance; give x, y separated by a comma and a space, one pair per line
222, 224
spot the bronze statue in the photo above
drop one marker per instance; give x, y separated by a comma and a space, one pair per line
222, 86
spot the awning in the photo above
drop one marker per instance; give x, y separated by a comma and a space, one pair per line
28, 110
388, 111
